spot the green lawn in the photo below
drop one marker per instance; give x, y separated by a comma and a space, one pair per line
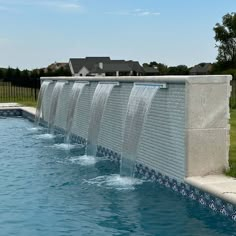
232, 152
28, 103
24, 96
23, 102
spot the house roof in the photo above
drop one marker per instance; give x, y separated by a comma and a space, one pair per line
88, 62
111, 67
135, 66
92, 64
201, 68
149, 69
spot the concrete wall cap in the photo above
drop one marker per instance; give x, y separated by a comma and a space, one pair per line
199, 79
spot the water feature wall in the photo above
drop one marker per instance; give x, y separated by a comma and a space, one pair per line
185, 132
54, 103
98, 106
74, 99
43, 89
138, 106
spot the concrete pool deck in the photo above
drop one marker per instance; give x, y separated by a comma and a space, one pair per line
6, 106
221, 186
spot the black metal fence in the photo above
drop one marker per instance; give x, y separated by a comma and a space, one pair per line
21, 90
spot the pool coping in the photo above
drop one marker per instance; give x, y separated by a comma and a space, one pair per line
219, 186
196, 79
25, 111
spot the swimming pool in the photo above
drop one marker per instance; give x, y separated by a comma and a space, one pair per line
50, 189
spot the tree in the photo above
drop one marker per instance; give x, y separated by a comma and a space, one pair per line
34, 73
9, 74
25, 74
225, 36
17, 73
178, 70
2, 74
153, 64
163, 69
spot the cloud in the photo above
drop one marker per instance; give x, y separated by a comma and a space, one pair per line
135, 12
70, 6
66, 5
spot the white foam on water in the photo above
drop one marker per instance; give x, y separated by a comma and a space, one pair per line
66, 146
35, 129
45, 136
115, 181
85, 160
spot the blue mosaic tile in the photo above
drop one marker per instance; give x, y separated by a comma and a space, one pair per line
113, 156
59, 130
212, 205
192, 195
18, 113
223, 211
233, 216
205, 199
10, 112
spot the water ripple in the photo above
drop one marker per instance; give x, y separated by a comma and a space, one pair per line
115, 181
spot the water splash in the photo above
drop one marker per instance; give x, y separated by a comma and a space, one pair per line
84, 160
53, 105
138, 106
77, 90
66, 146
45, 136
35, 129
99, 101
115, 181
42, 91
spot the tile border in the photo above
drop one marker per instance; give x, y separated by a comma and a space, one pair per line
10, 112
203, 198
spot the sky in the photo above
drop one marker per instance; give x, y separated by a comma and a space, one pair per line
36, 33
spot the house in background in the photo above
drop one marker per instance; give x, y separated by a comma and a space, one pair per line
83, 66
104, 66
57, 66
201, 69
148, 70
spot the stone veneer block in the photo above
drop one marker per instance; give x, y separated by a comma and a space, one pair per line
207, 106
207, 125
207, 151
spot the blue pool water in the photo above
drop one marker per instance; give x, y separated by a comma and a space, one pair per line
46, 189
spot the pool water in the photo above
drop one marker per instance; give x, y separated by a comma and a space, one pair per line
48, 188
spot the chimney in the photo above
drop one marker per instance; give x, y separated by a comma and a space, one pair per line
100, 65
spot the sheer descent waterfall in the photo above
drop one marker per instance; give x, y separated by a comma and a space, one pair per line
53, 105
77, 90
137, 110
100, 97
42, 91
